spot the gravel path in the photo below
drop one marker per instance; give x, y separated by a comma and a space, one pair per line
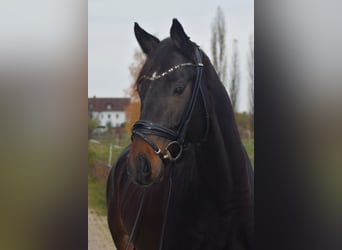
99, 237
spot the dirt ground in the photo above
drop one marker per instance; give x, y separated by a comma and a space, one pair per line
99, 237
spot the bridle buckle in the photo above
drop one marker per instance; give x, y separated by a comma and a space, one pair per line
171, 149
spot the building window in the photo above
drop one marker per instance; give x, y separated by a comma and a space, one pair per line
91, 106
108, 115
117, 116
109, 106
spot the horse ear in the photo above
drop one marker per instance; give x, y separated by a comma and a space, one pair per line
146, 41
181, 39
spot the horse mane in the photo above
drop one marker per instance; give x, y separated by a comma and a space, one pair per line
223, 115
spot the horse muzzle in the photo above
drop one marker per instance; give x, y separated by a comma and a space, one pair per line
145, 166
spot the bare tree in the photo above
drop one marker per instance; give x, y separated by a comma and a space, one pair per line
218, 45
234, 76
250, 61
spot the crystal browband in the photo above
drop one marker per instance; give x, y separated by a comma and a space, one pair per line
156, 77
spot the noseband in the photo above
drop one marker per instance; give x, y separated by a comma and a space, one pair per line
174, 149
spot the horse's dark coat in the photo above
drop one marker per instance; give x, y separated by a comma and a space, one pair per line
211, 205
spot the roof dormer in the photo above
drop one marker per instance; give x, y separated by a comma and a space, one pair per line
109, 106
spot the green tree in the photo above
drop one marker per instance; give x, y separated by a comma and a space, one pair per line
92, 124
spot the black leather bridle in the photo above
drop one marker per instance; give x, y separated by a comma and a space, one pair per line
174, 148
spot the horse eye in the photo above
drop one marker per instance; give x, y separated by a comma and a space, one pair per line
178, 90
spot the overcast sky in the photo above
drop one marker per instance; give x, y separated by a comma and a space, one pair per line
111, 40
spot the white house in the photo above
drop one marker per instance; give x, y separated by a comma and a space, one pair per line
108, 110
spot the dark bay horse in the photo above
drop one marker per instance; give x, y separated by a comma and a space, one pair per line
185, 182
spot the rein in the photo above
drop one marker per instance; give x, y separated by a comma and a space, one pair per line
161, 241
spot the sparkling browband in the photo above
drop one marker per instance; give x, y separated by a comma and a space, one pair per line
156, 77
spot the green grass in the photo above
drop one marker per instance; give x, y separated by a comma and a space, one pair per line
100, 151
249, 145
97, 195
97, 152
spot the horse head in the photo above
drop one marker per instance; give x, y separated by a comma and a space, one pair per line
169, 90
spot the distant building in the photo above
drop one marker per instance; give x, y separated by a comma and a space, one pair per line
108, 110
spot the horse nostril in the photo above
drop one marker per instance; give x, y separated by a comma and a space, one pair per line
144, 165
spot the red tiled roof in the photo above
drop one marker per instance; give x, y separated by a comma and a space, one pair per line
100, 104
